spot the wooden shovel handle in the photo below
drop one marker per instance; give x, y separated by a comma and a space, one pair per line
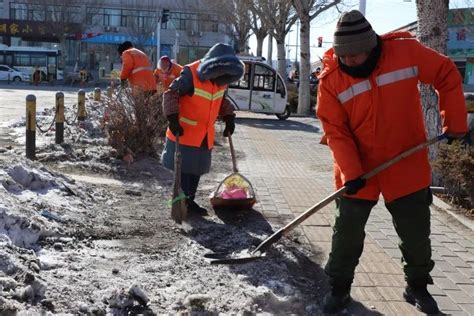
232, 153
313, 209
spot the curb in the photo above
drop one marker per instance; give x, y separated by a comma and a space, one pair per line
448, 209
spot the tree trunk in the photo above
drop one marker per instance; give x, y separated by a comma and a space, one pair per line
260, 45
433, 32
281, 56
270, 49
304, 90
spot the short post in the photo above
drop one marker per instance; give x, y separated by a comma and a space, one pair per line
110, 91
97, 94
30, 126
81, 105
59, 117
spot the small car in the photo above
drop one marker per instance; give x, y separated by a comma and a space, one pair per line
12, 74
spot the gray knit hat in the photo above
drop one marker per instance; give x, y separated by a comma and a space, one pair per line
353, 34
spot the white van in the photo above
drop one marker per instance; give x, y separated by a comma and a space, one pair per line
260, 90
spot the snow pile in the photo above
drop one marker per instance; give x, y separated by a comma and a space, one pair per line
19, 279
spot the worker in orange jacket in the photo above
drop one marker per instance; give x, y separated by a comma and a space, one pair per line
192, 105
136, 68
370, 109
166, 72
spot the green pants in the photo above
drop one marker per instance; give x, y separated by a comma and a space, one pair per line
411, 219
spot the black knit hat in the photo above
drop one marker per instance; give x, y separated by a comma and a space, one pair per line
353, 34
124, 46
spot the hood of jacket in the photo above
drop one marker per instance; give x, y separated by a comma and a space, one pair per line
220, 65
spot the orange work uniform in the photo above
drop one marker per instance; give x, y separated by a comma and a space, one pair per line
369, 120
137, 69
198, 113
166, 78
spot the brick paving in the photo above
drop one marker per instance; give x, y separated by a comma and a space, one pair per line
291, 171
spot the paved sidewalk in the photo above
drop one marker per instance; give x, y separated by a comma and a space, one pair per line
290, 172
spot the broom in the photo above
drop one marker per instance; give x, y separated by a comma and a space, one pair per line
178, 202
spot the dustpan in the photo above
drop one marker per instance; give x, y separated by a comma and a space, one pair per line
235, 191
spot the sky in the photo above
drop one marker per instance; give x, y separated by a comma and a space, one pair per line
384, 15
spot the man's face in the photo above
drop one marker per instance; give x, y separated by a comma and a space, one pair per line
354, 60
165, 65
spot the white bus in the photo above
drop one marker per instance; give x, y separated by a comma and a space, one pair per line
26, 58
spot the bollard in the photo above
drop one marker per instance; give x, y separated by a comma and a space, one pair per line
97, 94
59, 117
30, 126
110, 91
81, 105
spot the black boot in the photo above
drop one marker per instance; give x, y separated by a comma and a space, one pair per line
336, 300
193, 207
421, 298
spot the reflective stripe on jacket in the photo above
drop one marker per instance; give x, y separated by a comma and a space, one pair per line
367, 121
198, 113
137, 69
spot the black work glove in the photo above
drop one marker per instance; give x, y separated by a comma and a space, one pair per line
464, 139
175, 127
353, 186
229, 125
123, 83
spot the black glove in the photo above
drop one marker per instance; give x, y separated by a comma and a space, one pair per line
464, 139
174, 125
353, 186
229, 125
123, 83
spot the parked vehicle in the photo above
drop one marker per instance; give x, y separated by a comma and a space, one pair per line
12, 74
260, 90
26, 58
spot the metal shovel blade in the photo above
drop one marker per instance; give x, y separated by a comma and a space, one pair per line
235, 257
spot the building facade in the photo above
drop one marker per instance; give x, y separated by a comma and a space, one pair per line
88, 32
460, 40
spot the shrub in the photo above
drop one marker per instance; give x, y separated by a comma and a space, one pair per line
455, 164
293, 97
134, 122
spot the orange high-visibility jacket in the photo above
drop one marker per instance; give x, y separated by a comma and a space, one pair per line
368, 121
137, 69
167, 78
198, 113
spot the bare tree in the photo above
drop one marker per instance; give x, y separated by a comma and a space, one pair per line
62, 19
260, 30
307, 10
143, 28
238, 13
433, 32
279, 16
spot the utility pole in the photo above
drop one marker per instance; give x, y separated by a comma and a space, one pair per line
158, 37
297, 35
362, 4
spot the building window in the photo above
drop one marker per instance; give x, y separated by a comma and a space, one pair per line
37, 13
112, 17
137, 19
18, 11
192, 22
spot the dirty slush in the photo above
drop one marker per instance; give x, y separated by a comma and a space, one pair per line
83, 232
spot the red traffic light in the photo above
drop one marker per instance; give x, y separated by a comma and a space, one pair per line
320, 41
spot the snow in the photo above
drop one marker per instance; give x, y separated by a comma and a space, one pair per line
55, 226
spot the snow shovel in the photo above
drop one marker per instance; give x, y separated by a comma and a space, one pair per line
178, 202
258, 252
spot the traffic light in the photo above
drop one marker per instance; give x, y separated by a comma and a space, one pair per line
165, 15
320, 41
